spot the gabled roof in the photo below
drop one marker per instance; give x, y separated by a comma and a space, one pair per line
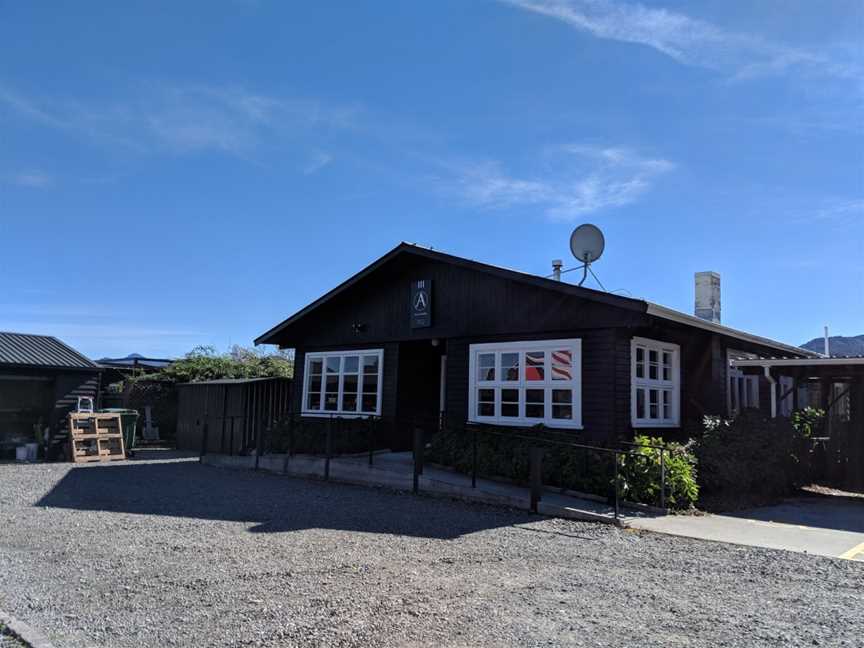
629, 303
419, 250
40, 351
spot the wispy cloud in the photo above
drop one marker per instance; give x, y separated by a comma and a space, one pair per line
835, 212
183, 119
690, 41
29, 179
318, 161
580, 180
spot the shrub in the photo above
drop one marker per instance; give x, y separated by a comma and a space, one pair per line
808, 420
203, 363
750, 460
641, 473
577, 469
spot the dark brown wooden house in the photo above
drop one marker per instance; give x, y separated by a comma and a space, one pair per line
420, 333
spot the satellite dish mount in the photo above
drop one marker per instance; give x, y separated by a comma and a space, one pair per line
587, 244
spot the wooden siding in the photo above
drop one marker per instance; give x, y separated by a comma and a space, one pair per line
470, 307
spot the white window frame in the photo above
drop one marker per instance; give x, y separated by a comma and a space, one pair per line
323, 356
735, 378
745, 398
659, 383
574, 345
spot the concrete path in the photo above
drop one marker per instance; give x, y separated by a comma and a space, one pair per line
395, 470
826, 526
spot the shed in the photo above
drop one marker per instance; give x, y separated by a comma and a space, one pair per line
41, 379
230, 412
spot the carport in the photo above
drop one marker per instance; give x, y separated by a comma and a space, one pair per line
837, 384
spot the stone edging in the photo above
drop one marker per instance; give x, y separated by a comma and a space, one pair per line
25, 633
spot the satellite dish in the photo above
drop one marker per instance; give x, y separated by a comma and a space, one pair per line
587, 243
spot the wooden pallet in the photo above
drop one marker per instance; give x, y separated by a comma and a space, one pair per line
95, 437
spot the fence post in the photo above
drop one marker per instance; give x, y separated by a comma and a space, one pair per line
474, 457
328, 449
290, 435
257, 443
204, 432
231, 441
418, 457
535, 461
615, 455
663, 478
371, 434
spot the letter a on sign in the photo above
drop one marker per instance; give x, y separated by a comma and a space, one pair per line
421, 303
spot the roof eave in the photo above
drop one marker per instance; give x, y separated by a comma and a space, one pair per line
677, 316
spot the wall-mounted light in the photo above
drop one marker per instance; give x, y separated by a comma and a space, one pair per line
435, 342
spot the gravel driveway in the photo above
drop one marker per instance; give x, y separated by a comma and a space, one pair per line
178, 554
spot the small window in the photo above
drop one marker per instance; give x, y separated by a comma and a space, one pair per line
343, 383
562, 365
510, 367
562, 404
510, 403
535, 403
486, 367
486, 402
535, 368
655, 383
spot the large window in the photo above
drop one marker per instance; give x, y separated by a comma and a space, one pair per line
343, 383
526, 383
655, 377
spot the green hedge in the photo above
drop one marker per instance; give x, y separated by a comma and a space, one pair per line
578, 469
750, 460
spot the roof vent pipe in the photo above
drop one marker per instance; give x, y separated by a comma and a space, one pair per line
557, 264
708, 296
827, 344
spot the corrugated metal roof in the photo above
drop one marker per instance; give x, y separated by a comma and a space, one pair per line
22, 349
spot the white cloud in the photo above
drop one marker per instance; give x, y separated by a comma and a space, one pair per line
30, 180
689, 41
184, 119
584, 179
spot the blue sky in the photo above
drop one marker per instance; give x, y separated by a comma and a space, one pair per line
174, 174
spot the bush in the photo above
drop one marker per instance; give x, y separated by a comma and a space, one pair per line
641, 478
203, 363
750, 460
808, 421
576, 469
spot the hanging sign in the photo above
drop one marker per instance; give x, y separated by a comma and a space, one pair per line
421, 303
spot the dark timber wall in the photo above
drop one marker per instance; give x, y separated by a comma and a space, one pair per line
472, 306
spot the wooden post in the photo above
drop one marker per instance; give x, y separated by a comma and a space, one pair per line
328, 449
418, 457
535, 460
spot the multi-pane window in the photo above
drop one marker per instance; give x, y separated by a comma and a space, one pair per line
656, 383
526, 383
743, 391
343, 382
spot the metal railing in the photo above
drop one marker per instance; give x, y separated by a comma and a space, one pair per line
331, 436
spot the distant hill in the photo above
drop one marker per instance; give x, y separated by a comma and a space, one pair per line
838, 345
